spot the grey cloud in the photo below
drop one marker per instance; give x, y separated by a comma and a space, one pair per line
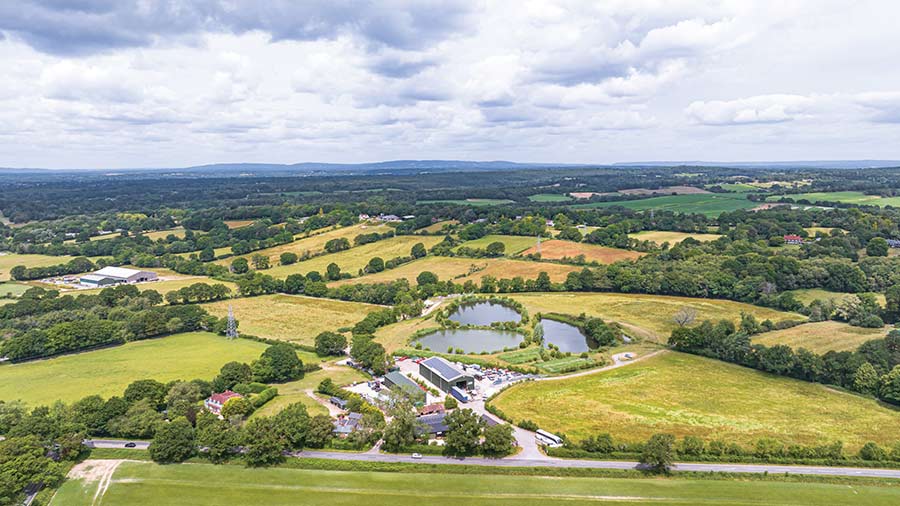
396, 68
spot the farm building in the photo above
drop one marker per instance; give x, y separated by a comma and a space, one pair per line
344, 425
337, 401
445, 375
396, 380
115, 275
793, 239
215, 402
431, 424
431, 409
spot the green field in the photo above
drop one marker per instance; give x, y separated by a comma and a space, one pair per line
467, 202
291, 317
354, 259
689, 395
549, 197
107, 372
659, 236
14, 289
298, 391
514, 243
647, 315
738, 187
846, 197
709, 204
821, 337
8, 261
807, 295
144, 483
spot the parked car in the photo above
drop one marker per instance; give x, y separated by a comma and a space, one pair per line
417, 455
130, 444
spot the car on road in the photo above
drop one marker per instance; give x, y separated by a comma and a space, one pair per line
417, 455
130, 444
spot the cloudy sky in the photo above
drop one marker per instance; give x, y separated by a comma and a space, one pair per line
155, 83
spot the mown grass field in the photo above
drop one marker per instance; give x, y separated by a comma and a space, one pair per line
296, 391
652, 313
291, 317
146, 483
556, 249
354, 259
437, 227
807, 295
108, 371
820, 337
14, 289
162, 234
11, 260
709, 204
314, 244
660, 236
514, 243
685, 394
845, 197
549, 197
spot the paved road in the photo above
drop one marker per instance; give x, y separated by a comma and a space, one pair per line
580, 464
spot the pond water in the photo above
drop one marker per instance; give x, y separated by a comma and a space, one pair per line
566, 337
471, 340
484, 313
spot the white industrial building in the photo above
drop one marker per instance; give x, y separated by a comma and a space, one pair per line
115, 275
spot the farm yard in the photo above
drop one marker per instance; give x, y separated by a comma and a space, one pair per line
291, 318
821, 337
108, 371
690, 395
708, 204
556, 249
659, 236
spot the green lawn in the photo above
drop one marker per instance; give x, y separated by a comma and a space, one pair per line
108, 371
549, 197
514, 243
709, 204
145, 483
689, 395
847, 197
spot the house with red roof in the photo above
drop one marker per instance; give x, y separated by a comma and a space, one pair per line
793, 239
215, 402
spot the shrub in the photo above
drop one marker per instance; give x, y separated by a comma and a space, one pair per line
871, 451
528, 425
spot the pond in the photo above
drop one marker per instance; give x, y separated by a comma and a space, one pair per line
484, 313
471, 340
564, 336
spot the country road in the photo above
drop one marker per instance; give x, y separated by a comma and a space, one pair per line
566, 463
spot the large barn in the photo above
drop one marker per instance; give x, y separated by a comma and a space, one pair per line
115, 275
445, 375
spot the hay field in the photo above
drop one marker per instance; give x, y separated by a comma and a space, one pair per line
514, 244
314, 243
659, 236
556, 249
8, 261
820, 337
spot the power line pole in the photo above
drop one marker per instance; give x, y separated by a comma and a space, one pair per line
231, 328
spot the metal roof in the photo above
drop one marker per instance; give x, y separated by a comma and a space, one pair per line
116, 272
93, 277
431, 423
443, 368
403, 382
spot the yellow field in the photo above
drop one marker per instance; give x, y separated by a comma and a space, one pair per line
659, 236
162, 234
514, 243
652, 313
555, 249
682, 394
820, 337
354, 259
291, 317
314, 244
437, 227
9, 261
238, 223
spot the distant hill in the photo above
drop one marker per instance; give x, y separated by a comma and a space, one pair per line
800, 164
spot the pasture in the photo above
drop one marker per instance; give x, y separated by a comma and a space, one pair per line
844, 197
237, 223
549, 197
650, 313
10, 260
354, 259
821, 337
291, 317
660, 236
684, 395
13, 289
709, 204
556, 249
807, 295
514, 244
668, 190
108, 371
438, 227
134, 483
467, 202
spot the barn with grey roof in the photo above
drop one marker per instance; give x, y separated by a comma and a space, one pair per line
444, 375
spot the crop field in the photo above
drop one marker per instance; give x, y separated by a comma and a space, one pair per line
468, 202
685, 394
298, 391
651, 313
820, 337
134, 483
825, 230
556, 249
807, 295
549, 197
237, 223
514, 244
290, 317
108, 371
845, 197
660, 236
709, 204
11, 260
314, 244
354, 259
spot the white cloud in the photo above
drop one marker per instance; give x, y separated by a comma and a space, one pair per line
759, 109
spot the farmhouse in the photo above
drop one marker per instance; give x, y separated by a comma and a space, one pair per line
793, 239
344, 425
114, 275
445, 375
397, 381
432, 409
215, 402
